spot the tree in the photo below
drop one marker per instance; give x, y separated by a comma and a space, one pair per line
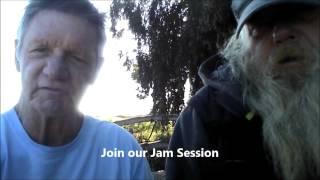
173, 38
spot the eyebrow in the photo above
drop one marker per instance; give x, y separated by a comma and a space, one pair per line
37, 42
70, 48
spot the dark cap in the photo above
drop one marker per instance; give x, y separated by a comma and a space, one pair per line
244, 9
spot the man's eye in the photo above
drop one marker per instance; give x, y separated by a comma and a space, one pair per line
306, 18
78, 59
256, 31
40, 50
253, 31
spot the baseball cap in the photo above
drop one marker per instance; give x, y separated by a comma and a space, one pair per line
244, 9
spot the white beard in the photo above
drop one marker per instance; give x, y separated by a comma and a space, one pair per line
290, 109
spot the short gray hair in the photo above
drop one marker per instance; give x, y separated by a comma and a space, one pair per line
80, 8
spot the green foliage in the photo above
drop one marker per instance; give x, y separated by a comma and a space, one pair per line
173, 38
151, 131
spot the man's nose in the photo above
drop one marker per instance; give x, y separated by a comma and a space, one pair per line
56, 68
282, 33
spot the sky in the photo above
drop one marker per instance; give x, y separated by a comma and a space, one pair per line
112, 94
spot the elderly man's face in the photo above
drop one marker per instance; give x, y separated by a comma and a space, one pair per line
278, 62
57, 60
280, 39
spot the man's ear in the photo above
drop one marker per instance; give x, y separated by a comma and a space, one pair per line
96, 70
17, 61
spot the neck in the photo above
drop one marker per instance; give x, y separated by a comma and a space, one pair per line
51, 130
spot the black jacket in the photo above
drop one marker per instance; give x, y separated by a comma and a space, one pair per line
215, 119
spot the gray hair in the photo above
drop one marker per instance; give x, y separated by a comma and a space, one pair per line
291, 126
81, 8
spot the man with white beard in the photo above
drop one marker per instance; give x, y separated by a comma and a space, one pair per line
261, 109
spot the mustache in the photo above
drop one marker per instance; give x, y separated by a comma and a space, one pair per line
289, 63
287, 53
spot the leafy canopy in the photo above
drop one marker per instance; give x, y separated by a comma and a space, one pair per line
173, 38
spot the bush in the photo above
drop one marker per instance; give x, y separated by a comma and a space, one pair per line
151, 131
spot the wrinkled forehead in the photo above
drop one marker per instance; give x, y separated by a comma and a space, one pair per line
57, 21
59, 28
